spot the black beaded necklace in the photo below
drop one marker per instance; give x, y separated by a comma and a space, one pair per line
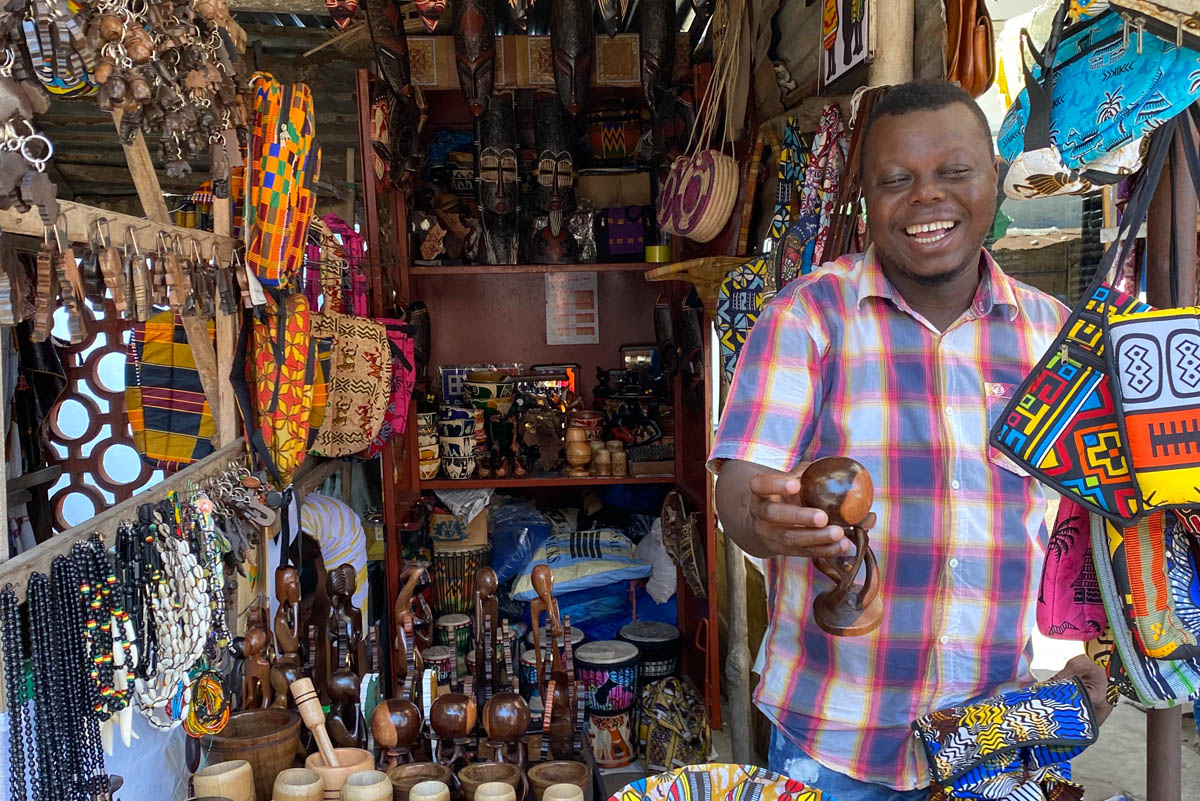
15, 691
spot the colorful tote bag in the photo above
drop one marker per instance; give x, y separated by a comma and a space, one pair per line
1096, 86
1155, 683
1061, 425
1155, 577
359, 382
991, 748
1069, 606
395, 420
284, 163
169, 415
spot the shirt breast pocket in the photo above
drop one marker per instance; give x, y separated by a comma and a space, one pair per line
997, 396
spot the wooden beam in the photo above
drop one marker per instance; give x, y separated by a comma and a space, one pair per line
893, 61
37, 560
224, 405
314, 8
78, 217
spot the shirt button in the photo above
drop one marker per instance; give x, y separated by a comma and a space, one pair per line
949, 411
953, 563
953, 485
944, 640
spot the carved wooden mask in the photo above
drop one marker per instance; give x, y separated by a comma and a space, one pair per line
390, 43
573, 48
555, 162
518, 13
613, 15
431, 11
497, 166
475, 51
657, 46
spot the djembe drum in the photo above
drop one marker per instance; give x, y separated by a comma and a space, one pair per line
453, 573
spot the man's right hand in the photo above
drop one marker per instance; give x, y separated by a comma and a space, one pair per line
774, 522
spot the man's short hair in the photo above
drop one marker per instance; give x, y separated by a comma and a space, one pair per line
925, 95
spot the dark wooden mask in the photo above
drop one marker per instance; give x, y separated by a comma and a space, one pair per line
518, 13
475, 51
555, 162
497, 164
390, 43
341, 12
573, 49
613, 15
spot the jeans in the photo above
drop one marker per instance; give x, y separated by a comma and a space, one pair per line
788, 759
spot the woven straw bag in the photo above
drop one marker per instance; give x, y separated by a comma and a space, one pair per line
700, 190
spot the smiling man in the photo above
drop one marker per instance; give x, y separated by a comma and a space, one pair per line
901, 358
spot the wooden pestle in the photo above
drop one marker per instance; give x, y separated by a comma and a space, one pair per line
309, 705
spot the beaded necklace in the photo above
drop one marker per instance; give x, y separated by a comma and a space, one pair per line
15, 690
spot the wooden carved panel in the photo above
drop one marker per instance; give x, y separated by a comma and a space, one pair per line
88, 429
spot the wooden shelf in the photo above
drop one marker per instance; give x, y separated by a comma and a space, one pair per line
532, 269
534, 482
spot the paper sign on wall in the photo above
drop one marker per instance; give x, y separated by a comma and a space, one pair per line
572, 313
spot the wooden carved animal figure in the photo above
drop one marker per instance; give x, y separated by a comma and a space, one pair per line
345, 722
256, 678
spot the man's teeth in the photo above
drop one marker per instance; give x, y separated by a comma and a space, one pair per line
913, 230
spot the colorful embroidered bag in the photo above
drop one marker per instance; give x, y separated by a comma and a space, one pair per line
1069, 606
1096, 86
404, 377
991, 748
1061, 424
169, 415
1156, 683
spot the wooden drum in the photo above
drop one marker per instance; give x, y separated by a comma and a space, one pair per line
453, 574
607, 671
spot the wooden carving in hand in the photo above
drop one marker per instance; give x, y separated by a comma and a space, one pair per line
842, 488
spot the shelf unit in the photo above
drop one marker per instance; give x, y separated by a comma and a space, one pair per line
494, 314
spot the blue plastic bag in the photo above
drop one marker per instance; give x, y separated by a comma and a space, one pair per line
518, 530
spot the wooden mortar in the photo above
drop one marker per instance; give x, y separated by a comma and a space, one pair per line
367, 785
405, 777
298, 784
350, 760
472, 776
544, 775
233, 780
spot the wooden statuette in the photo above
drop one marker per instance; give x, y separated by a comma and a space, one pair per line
453, 717
396, 724
843, 489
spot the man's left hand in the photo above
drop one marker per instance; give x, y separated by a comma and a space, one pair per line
1094, 681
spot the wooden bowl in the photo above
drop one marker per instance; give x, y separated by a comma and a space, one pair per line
483, 772
546, 774
266, 738
429, 791
298, 784
352, 760
563, 792
404, 777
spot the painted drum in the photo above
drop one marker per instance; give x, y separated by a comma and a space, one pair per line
453, 574
611, 738
577, 638
454, 631
528, 679
659, 644
607, 670
442, 659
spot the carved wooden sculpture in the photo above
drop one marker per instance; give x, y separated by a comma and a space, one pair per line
348, 648
345, 722
396, 725
256, 669
452, 718
506, 719
558, 718
475, 52
573, 50
843, 489
410, 611
486, 624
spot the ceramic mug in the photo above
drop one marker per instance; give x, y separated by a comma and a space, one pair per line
456, 428
457, 446
427, 440
451, 412
458, 467
426, 421
429, 469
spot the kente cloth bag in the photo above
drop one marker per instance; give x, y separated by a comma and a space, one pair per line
1069, 606
1097, 87
169, 414
1154, 568
1155, 683
1016, 745
1061, 423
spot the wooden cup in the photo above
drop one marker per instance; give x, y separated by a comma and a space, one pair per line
495, 791
297, 784
367, 785
233, 780
563, 792
429, 791
620, 464
350, 761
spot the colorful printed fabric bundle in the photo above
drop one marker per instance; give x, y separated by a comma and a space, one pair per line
673, 727
169, 414
718, 782
285, 161
1016, 746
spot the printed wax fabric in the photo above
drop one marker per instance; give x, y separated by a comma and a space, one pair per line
359, 383
718, 782
1069, 603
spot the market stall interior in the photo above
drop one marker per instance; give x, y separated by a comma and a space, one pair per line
361, 366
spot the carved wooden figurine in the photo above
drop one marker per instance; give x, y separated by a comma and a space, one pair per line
396, 725
558, 718
410, 611
348, 648
453, 718
345, 722
256, 670
843, 489
486, 624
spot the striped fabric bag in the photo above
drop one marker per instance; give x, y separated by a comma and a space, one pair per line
284, 163
169, 415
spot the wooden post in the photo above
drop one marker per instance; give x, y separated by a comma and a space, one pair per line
1164, 727
738, 660
154, 206
894, 50
348, 208
224, 405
